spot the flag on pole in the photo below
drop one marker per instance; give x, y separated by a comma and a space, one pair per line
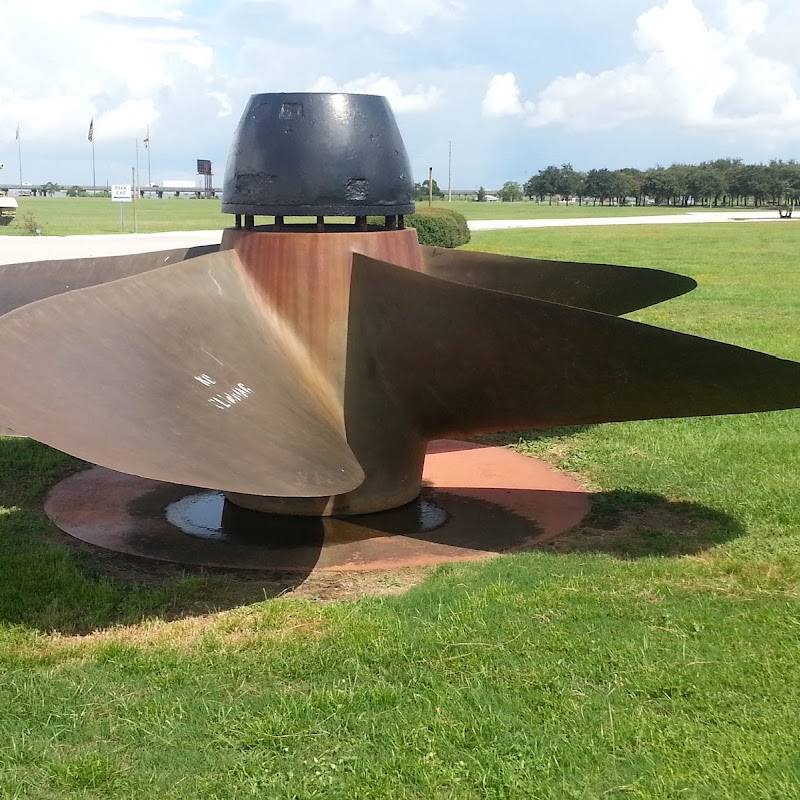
90, 137
146, 142
17, 137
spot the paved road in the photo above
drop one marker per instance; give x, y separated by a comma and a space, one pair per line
14, 249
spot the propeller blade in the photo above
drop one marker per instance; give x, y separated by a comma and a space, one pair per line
179, 374
462, 359
25, 283
597, 287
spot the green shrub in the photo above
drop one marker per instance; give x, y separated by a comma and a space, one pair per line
436, 227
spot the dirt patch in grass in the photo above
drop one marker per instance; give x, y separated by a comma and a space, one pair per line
224, 588
636, 525
623, 524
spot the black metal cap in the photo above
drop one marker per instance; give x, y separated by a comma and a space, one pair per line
318, 155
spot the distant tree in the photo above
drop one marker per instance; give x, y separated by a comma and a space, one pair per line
49, 188
778, 180
481, 198
544, 184
679, 178
76, 191
580, 186
792, 173
629, 184
511, 192
705, 184
534, 188
567, 182
551, 178
659, 184
602, 185
421, 190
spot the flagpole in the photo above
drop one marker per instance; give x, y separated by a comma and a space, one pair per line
450, 173
90, 137
19, 152
149, 177
137, 184
133, 181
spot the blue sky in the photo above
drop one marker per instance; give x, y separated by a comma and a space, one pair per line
514, 85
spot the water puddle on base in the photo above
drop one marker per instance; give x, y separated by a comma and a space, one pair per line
208, 515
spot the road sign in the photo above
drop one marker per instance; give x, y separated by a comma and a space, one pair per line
121, 193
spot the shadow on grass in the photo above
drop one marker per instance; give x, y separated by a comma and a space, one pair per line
54, 583
506, 438
629, 525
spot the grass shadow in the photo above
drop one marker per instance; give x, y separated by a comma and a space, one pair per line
631, 525
507, 438
53, 582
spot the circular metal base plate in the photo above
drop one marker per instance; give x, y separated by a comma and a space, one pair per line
476, 502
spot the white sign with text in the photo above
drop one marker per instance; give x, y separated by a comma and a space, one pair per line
121, 193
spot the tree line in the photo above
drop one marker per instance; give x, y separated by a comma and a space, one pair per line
725, 181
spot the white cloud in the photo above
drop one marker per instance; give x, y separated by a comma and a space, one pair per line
186, 67
420, 99
224, 104
384, 15
63, 63
689, 73
503, 97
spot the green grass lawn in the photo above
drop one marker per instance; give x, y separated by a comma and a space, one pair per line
529, 209
652, 653
62, 216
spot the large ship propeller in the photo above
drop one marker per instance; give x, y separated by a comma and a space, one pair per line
303, 368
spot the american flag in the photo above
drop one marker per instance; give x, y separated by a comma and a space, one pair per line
146, 141
90, 137
17, 132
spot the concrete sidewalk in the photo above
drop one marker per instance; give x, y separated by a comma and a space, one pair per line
15, 249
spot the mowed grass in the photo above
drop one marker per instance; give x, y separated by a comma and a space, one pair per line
531, 209
64, 216
653, 653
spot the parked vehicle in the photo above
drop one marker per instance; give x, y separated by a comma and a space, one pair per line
8, 209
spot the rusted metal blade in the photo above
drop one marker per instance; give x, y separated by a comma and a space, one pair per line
597, 287
25, 283
462, 359
179, 374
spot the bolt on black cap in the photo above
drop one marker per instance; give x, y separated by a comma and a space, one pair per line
318, 154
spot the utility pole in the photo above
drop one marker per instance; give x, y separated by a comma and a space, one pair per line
147, 147
450, 173
90, 137
136, 185
133, 186
19, 153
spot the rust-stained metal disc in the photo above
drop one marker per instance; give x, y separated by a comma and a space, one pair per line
461, 359
177, 374
606, 288
459, 517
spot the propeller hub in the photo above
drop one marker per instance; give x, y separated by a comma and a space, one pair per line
316, 154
